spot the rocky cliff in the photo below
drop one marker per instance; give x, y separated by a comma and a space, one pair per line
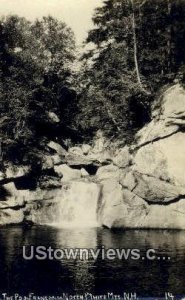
142, 186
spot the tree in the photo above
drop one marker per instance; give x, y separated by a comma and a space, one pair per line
138, 48
35, 64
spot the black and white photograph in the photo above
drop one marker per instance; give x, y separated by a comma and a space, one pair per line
92, 149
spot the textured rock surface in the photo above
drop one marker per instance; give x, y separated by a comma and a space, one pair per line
10, 216
123, 158
153, 189
108, 172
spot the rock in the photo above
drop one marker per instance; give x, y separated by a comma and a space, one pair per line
123, 158
42, 212
2, 175
86, 149
130, 211
10, 189
173, 102
84, 173
53, 117
155, 130
119, 206
75, 151
12, 198
57, 159
145, 189
47, 162
152, 193
10, 216
103, 158
58, 148
129, 181
67, 173
168, 116
80, 161
50, 182
154, 190
109, 171
13, 171
163, 159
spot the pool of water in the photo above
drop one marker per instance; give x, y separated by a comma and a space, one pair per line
53, 277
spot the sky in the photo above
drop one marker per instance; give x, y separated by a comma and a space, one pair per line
76, 13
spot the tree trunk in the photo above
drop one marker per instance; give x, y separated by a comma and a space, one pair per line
135, 44
135, 49
169, 42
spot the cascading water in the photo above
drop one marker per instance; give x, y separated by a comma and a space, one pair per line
78, 205
74, 205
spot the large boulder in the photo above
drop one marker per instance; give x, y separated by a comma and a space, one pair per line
160, 152
163, 159
168, 116
152, 192
123, 209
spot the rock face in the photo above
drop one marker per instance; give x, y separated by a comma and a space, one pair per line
152, 193
142, 186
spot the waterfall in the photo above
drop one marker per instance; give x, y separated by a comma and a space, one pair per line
78, 204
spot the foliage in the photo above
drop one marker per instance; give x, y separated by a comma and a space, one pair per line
137, 49
35, 70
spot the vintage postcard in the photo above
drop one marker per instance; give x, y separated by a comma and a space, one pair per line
92, 149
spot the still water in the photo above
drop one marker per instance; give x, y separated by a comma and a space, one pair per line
146, 278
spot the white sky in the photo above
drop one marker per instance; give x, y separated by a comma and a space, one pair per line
76, 13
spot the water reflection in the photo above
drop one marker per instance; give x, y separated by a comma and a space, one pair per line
146, 277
